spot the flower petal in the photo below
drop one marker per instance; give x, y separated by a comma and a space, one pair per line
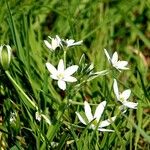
125, 94
62, 84
107, 122
76, 43
99, 110
130, 105
60, 67
38, 116
105, 130
88, 113
54, 43
121, 65
80, 118
116, 91
58, 40
114, 59
107, 55
70, 70
51, 68
53, 76
70, 79
69, 42
48, 45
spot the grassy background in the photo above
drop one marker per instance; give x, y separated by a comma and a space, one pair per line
116, 25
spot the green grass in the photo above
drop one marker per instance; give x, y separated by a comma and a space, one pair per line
118, 25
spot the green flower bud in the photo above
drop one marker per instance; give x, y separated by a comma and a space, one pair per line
5, 56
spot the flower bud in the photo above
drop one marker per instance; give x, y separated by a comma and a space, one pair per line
5, 56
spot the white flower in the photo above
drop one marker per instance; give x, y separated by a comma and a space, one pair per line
122, 97
38, 116
72, 42
97, 116
61, 74
55, 42
13, 117
119, 65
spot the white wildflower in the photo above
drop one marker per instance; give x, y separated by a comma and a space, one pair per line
13, 117
119, 65
61, 74
38, 116
55, 42
97, 116
122, 97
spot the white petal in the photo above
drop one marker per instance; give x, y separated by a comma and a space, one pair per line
121, 65
70, 70
107, 122
54, 43
61, 66
48, 45
130, 105
62, 84
105, 130
80, 118
88, 113
53, 76
125, 94
76, 43
116, 91
58, 39
70, 79
51, 68
114, 58
99, 110
38, 116
107, 55
69, 42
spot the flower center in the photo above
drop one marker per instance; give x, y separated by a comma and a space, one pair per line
94, 122
60, 76
121, 98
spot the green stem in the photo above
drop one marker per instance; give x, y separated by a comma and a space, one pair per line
20, 90
65, 52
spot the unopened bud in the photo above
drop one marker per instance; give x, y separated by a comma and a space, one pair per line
5, 56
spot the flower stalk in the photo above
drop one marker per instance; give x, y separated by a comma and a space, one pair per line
32, 104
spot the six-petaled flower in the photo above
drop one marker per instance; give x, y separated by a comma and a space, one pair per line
97, 117
119, 65
122, 97
61, 74
55, 43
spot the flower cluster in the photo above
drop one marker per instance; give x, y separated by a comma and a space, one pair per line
64, 74
58, 42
